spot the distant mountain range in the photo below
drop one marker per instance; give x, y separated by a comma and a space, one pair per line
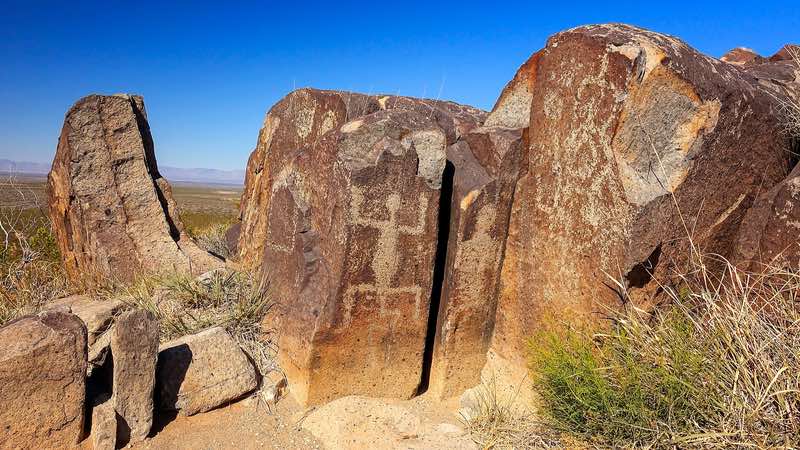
197, 175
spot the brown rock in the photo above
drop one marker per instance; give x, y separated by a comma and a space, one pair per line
112, 213
741, 56
104, 426
350, 239
96, 314
134, 348
621, 119
294, 124
42, 384
787, 53
487, 163
200, 372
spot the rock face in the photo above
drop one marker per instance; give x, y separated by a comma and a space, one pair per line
622, 119
42, 384
134, 347
104, 426
342, 212
742, 56
112, 213
197, 373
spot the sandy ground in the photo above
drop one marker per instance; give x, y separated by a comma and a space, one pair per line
348, 423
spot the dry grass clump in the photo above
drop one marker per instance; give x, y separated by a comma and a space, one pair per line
498, 423
212, 239
791, 106
186, 305
718, 367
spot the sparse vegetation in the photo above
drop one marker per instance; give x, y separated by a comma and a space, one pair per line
30, 266
505, 424
718, 367
186, 305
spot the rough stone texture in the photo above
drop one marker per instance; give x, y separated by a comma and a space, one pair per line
486, 163
620, 119
134, 348
104, 426
349, 239
295, 124
513, 107
42, 385
113, 214
97, 315
200, 372
742, 56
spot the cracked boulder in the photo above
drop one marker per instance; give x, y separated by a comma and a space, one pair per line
350, 222
625, 124
42, 381
112, 213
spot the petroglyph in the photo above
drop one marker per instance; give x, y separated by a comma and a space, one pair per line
385, 260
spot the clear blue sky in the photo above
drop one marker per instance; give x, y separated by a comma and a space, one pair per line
210, 70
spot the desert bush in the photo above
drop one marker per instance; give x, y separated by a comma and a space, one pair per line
186, 305
718, 367
212, 239
30, 268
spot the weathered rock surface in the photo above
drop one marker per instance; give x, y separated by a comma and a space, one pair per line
97, 315
486, 162
42, 384
622, 119
134, 348
104, 426
742, 56
350, 234
296, 123
113, 214
200, 372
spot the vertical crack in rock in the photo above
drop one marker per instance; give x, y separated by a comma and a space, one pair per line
439, 269
152, 167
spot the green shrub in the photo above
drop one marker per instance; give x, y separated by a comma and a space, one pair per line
718, 367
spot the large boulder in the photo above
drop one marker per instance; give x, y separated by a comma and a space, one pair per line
349, 225
637, 143
200, 372
42, 381
134, 349
96, 314
113, 214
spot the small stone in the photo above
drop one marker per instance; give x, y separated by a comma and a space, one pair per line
104, 426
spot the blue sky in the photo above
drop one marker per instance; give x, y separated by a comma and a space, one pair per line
209, 71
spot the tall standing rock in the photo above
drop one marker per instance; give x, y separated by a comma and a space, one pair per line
134, 348
112, 212
350, 230
42, 381
621, 120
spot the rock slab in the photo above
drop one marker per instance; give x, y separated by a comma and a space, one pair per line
42, 381
134, 349
200, 372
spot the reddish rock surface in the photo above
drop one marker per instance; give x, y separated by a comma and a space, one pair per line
113, 214
742, 56
42, 381
621, 118
350, 237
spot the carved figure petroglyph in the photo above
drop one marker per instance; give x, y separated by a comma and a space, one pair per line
385, 260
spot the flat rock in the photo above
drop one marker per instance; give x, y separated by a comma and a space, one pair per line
113, 214
134, 348
202, 371
42, 381
97, 315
